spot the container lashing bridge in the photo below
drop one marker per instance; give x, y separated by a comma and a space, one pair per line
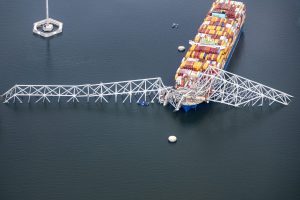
215, 85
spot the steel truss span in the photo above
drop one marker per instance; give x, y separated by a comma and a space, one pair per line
137, 90
220, 86
214, 85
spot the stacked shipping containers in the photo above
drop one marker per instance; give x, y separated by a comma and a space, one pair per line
213, 42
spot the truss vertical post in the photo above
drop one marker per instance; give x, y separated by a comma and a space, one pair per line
116, 92
130, 91
145, 91
88, 93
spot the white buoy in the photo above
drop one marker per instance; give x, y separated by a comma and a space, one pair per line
181, 48
172, 139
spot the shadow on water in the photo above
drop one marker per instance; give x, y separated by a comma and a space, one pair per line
37, 105
238, 53
204, 114
49, 38
49, 55
223, 118
48, 46
1, 131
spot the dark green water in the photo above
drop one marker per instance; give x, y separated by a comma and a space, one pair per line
115, 151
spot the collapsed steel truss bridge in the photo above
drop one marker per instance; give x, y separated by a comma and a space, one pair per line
214, 85
221, 86
139, 90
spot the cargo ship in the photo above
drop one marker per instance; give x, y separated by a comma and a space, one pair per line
212, 46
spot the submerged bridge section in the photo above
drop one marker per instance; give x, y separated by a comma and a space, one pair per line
137, 90
220, 86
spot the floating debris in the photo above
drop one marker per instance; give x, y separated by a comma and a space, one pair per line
143, 103
174, 25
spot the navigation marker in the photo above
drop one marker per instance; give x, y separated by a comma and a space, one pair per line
47, 27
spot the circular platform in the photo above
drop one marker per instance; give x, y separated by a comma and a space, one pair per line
47, 27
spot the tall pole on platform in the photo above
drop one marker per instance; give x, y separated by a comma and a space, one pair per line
47, 27
47, 10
